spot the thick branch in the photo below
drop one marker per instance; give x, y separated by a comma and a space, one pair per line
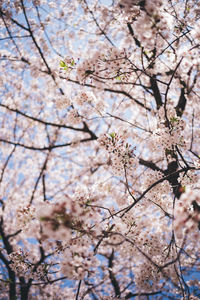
112, 276
181, 103
156, 92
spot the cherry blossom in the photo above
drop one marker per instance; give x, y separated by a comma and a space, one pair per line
100, 159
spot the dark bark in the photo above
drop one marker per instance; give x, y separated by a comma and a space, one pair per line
181, 103
112, 276
11, 274
156, 92
24, 288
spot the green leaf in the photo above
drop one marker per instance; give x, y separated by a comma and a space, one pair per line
112, 135
173, 120
88, 202
62, 64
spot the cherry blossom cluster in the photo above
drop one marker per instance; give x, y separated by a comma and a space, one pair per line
62, 102
162, 198
187, 213
84, 97
149, 21
79, 260
112, 65
169, 132
73, 117
190, 61
147, 276
21, 264
66, 219
189, 180
88, 104
83, 213
24, 215
57, 222
121, 154
71, 223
